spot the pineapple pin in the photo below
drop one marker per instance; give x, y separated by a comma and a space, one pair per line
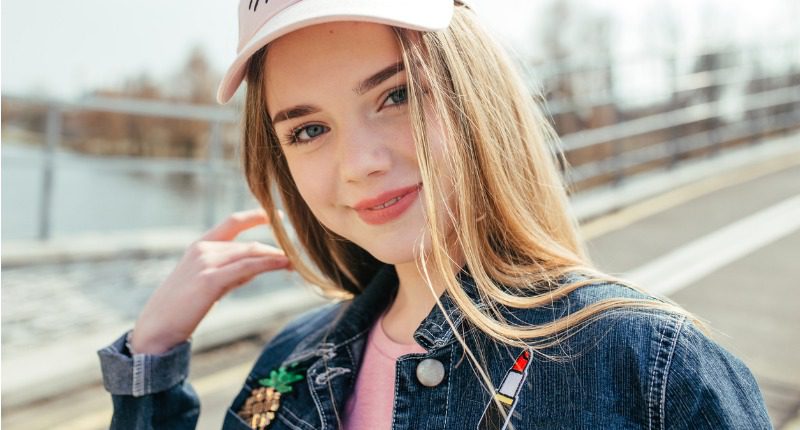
260, 407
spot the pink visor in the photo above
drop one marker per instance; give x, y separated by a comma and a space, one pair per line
262, 21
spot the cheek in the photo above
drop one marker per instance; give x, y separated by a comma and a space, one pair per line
434, 130
442, 170
439, 147
407, 138
397, 135
311, 183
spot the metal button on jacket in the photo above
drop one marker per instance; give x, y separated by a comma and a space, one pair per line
430, 372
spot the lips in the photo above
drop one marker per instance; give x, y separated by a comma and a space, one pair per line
388, 206
385, 197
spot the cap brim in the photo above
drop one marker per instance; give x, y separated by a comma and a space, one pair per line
422, 15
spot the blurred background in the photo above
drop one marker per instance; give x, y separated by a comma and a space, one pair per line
679, 120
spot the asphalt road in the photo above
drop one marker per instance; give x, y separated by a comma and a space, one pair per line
750, 301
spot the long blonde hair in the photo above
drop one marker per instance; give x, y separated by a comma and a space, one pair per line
511, 216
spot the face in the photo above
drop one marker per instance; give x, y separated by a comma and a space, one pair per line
336, 94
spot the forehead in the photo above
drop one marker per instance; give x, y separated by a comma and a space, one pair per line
326, 57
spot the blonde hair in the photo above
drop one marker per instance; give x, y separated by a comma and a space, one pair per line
511, 216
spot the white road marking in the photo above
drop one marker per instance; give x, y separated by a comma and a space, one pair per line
693, 261
661, 203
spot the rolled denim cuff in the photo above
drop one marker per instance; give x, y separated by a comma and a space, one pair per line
142, 374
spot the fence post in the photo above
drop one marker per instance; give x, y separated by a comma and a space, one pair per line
52, 141
673, 146
212, 175
617, 162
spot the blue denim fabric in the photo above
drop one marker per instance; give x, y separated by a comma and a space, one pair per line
628, 370
149, 391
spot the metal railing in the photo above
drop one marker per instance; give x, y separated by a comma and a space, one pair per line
213, 168
760, 113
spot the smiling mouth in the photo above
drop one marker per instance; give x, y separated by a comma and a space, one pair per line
390, 209
389, 203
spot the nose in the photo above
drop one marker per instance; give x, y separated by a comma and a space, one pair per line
362, 152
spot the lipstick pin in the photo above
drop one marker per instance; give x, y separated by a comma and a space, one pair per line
496, 417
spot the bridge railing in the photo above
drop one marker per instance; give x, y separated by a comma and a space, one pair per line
706, 112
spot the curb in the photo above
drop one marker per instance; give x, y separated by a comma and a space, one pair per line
102, 246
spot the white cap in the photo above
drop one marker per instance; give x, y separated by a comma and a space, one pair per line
262, 21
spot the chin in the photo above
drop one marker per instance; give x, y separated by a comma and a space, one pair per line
394, 257
395, 252
397, 245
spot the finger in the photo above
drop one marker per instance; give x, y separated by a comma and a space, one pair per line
216, 254
241, 271
236, 223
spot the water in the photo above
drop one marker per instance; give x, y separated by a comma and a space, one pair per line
94, 200
47, 303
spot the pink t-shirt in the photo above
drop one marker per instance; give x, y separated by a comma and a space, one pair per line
370, 404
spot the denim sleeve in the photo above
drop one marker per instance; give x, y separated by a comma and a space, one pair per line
149, 391
707, 387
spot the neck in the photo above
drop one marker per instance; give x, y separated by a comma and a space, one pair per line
414, 301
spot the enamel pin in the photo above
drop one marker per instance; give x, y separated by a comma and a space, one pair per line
496, 417
260, 407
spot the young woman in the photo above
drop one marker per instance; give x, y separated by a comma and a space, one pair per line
419, 177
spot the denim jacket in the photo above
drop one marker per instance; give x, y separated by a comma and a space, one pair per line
629, 370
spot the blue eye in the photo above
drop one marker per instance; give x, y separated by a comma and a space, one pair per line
306, 133
313, 130
397, 96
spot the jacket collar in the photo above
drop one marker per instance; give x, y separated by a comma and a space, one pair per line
435, 331
359, 314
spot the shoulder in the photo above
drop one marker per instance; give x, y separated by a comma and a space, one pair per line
599, 295
601, 322
706, 386
637, 327
624, 334
684, 377
584, 329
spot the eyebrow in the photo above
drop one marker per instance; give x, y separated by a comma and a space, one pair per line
294, 112
376, 79
362, 87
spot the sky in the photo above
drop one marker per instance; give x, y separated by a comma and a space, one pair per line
65, 48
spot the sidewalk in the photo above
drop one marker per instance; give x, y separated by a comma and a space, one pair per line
56, 316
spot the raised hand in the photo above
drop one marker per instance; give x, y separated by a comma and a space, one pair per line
211, 267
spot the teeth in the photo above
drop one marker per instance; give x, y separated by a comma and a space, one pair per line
387, 204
